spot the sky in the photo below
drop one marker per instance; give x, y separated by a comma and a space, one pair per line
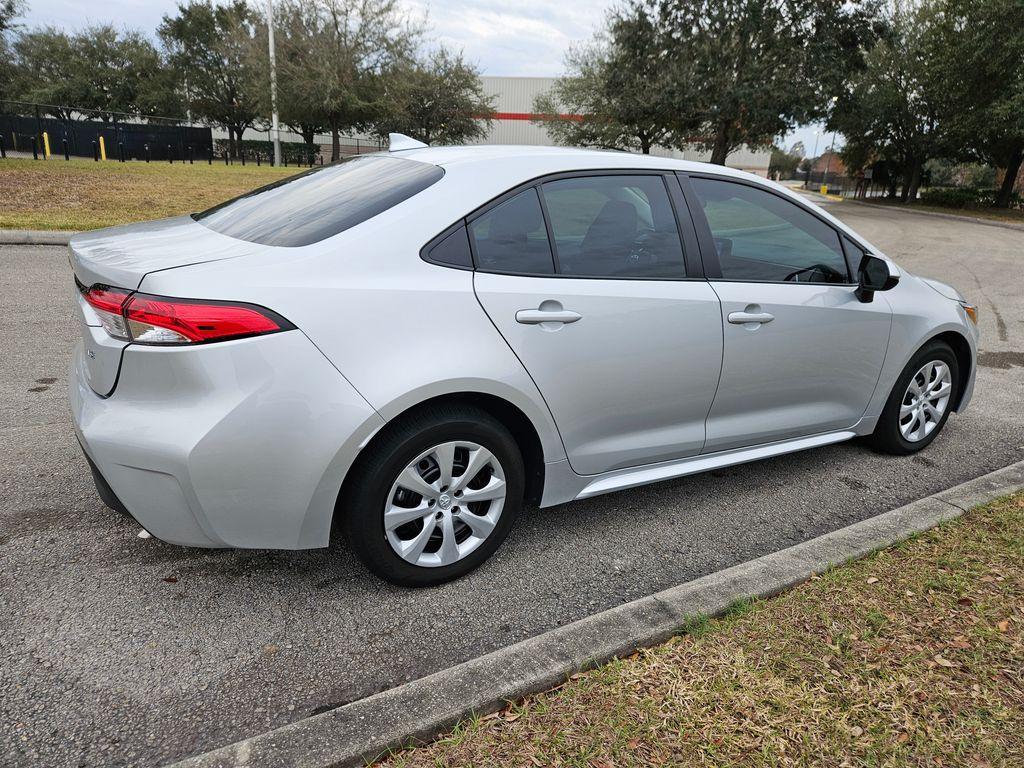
502, 37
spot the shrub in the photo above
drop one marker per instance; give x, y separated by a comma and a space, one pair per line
953, 197
963, 197
292, 152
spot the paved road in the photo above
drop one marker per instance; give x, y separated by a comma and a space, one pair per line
116, 650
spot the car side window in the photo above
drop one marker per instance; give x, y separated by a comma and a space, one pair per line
617, 226
453, 250
854, 255
762, 237
512, 237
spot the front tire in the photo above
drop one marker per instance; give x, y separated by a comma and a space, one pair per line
920, 401
434, 496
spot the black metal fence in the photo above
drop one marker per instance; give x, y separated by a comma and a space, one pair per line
859, 186
34, 129
26, 127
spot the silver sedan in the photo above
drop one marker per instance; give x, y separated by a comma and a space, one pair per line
404, 348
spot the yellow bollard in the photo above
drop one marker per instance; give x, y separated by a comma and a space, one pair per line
824, 189
46, 145
103, 149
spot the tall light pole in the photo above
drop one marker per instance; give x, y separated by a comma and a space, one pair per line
814, 156
828, 159
273, 83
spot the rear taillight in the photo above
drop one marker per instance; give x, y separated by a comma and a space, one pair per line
145, 319
109, 304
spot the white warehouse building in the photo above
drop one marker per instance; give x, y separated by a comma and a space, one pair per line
513, 103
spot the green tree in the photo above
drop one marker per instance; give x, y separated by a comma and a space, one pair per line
785, 163
334, 60
9, 11
99, 69
616, 94
293, 25
756, 68
211, 48
438, 99
976, 56
895, 110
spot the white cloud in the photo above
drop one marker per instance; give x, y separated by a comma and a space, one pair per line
502, 37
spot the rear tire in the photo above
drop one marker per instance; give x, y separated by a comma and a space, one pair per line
920, 401
399, 521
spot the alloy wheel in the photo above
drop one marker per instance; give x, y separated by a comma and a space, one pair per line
444, 504
925, 400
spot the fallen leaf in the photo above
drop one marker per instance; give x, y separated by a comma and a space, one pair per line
171, 579
872, 580
942, 661
856, 731
1004, 625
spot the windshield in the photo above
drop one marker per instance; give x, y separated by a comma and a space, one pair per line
322, 202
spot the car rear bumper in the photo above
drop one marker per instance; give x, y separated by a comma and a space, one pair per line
238, 444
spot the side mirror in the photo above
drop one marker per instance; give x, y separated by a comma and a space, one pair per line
873, 275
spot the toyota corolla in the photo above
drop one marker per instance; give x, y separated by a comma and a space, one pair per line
405, 348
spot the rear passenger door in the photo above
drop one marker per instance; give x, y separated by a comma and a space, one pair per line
600, 294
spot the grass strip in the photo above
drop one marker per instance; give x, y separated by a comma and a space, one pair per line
83, 194
912, 656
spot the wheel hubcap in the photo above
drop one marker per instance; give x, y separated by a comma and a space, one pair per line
925, 401
444, 504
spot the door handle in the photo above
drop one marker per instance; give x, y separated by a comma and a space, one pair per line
742, 318
538, 316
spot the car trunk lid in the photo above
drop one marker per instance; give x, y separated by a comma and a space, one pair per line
121, 257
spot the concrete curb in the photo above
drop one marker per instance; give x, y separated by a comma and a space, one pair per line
419, 710
34, 237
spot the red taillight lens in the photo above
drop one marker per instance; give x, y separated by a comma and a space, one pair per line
160, 320
145, 319
106, 299
108, 304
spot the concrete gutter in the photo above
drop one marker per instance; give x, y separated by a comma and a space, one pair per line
354, 733
34, 237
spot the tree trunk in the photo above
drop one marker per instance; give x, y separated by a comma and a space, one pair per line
335, 144
908, 172
231, 142
720, 150
915, 181
1010, 179
645, 145
307, 137
891, 191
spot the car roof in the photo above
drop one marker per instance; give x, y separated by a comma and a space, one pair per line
558, 158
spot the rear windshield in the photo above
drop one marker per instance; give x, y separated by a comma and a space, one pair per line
312, 206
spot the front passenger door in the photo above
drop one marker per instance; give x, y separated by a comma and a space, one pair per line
802, 355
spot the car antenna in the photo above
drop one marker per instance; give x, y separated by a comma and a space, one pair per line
399, 141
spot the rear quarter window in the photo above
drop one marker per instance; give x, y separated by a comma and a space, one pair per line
322, 202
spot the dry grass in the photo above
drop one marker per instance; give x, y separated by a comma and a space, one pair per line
82, 194
914, 656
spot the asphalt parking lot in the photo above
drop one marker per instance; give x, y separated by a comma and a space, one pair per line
120, 651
